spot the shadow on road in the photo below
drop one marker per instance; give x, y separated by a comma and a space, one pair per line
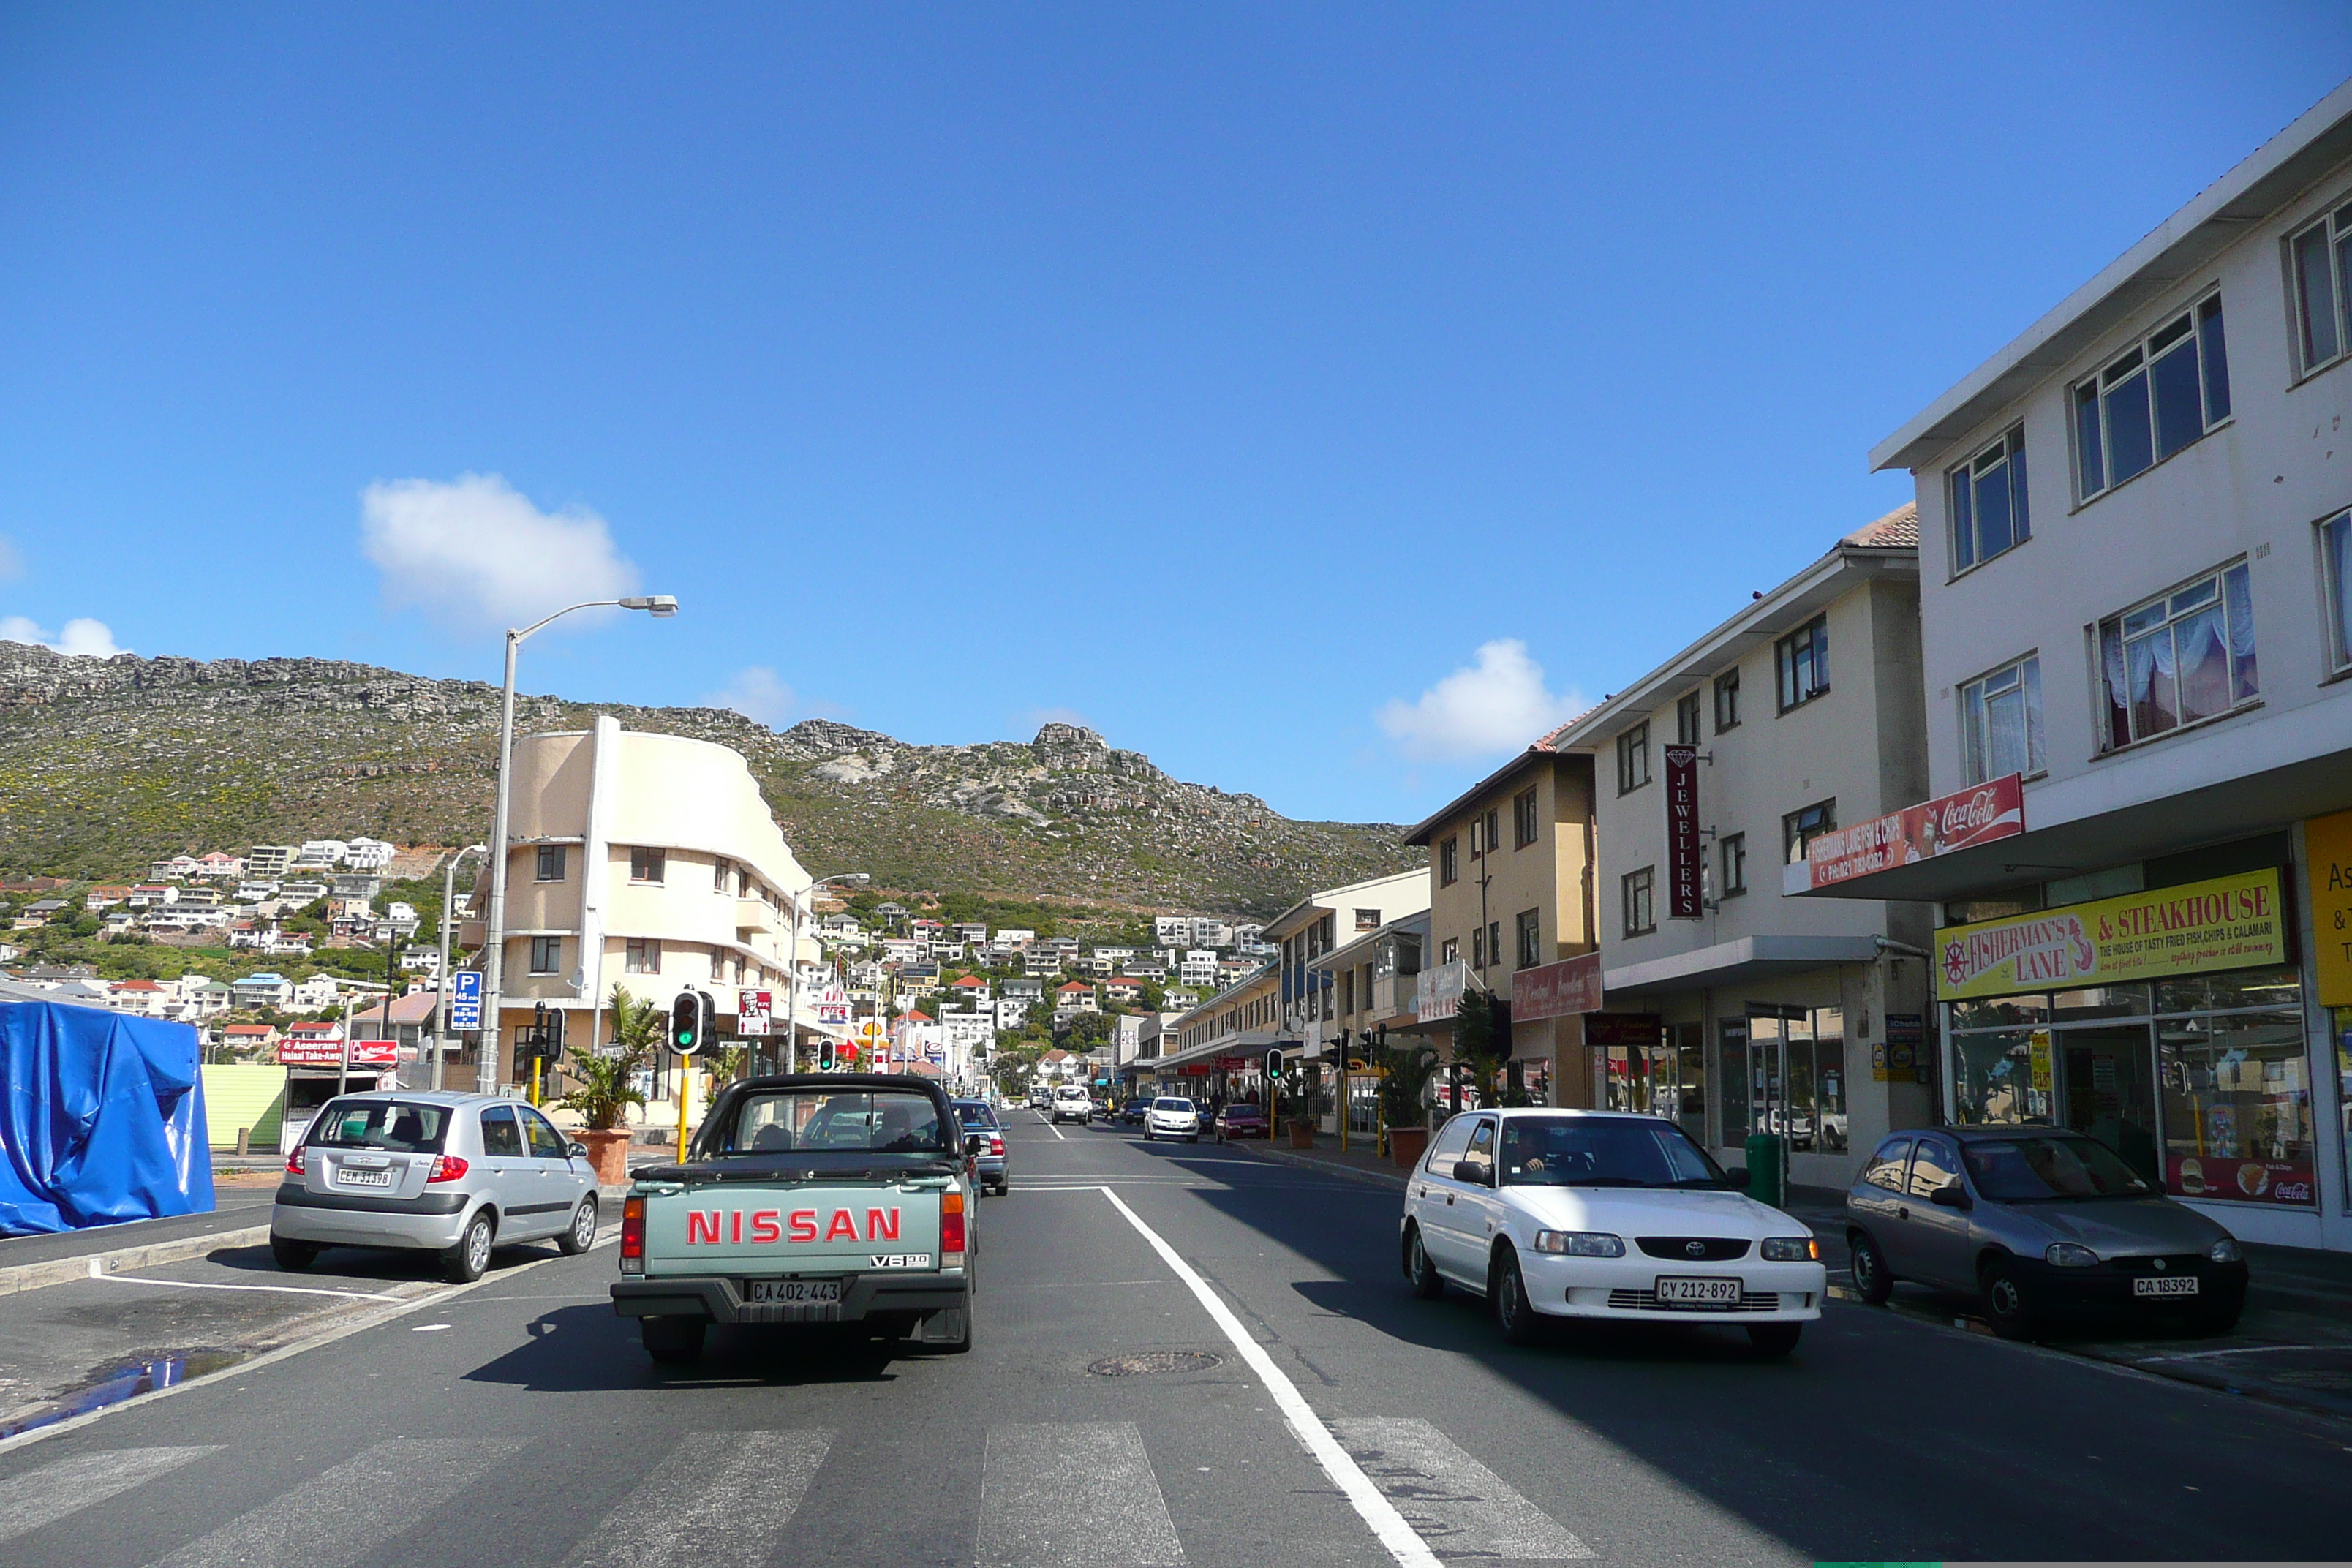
585, 1349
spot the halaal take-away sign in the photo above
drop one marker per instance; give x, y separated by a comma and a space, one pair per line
2229, 922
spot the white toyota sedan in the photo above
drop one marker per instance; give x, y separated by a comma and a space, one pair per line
1597, 1215
1173, 1116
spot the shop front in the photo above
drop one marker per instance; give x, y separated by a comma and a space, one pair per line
2168, 1024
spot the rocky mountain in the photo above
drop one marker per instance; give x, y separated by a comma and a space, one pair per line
107, 765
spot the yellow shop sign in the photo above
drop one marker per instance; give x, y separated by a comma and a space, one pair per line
2230, 922
2328, 851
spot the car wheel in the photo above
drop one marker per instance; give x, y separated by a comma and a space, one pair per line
2007, 1304
582, 1234
1514, 1314
1872, 1282
1774, 1339
672, 1342
1427, 1283
292, 1255
470, 1258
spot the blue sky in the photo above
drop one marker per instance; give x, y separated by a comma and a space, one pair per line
1315, 398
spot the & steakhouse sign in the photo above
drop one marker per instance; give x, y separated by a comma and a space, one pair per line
2230, 922
1978, 814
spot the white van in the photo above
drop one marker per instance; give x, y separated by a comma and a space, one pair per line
1072, 1103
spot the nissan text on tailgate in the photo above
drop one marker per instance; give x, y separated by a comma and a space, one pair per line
809, 1199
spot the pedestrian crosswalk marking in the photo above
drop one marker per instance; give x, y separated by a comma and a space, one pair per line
1456, 1504
347, 1511
46, 1495
1070, 1493
720, 1497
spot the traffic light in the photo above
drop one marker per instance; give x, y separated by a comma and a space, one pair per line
689, 1022
825, 1055
544, 1039
1273, 1065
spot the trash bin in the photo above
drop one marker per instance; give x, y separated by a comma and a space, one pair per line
1764, 1168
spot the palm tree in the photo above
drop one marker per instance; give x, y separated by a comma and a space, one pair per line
606, 1090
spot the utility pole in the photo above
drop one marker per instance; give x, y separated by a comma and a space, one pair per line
441, 975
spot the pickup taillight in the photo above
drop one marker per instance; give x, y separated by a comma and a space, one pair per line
951, 1231
633, 1236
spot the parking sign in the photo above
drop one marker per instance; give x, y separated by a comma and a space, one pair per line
465, 1000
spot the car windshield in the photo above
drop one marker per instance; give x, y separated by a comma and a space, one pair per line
973, 1113
1170, 1102
1241, 1112
1602, 1151
398, 1125
883, 1122
2038, 1170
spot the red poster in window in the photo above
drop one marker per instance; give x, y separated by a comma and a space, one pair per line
1684, 856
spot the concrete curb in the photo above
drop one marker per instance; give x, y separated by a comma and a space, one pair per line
1329, 1167
60, 1270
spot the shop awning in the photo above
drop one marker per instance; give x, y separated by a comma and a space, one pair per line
1751, 958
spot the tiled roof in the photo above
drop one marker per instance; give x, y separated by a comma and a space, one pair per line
1898, 529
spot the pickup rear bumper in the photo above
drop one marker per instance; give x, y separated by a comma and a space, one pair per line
718, 1299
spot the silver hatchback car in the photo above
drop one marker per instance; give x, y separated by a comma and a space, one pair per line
449, 1173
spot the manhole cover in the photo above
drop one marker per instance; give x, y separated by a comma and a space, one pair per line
1144, 1363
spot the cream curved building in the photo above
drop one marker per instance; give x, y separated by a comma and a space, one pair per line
645, 861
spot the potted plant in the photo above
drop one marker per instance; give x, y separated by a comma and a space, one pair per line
1298, 1111
606, 1092
1409, 1068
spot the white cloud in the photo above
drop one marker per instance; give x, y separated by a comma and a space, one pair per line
12, 559
1495, 706
477, 555
82, 638
758, 694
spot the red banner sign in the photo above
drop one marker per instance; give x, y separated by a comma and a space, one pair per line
1557, 990
330, 1053
1684, 855
1957, 821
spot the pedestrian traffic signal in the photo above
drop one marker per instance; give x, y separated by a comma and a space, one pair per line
689, 1022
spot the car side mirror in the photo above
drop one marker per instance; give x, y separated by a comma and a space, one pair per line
1950, 1195
577, 1150
1736, 1178
1470, 1171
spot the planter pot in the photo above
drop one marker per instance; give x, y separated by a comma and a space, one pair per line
608, 1153
1302, 1134
1407, 1144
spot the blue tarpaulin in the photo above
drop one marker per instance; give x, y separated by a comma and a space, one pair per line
101, 1119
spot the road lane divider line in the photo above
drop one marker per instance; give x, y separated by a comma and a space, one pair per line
1371, 1505
43, 1496
207, 1285
719, 1497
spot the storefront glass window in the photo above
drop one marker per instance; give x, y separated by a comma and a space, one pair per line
2342, 1031
2237, 1108
2000, 1012
1993, 1074
2099, 1002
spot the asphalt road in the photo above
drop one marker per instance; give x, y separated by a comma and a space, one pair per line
518, 1421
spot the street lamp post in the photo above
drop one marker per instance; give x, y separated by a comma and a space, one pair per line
661, 606
441, 975
792, 966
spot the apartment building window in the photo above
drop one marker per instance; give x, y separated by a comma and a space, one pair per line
721, 872
641, 956
2158, 397
1347, 993
2000, 721
2335, 554
2180, 658
1449, 860
1493, 941
1640, 889
1726, 700
1634, 758
546, 954
1800, 828
551, 863
1988, 502
2323, 288
1734, 850
1803, 660
1477, 947
1450, 951
649, 865
1367, 919
1523, 819
1530, 935
1686, 720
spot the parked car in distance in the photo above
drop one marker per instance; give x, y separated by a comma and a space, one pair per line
989, 1160
1173, 1116
1239, 1120
1071, 1103
1603, 1215
1132, 1113
455, 1174
2043, 1225
1041, 1099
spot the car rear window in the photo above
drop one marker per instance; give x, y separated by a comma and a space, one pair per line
973, 1113
2029, 1170
879, 1121
400, 1126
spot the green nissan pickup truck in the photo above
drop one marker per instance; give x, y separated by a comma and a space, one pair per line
807, 1198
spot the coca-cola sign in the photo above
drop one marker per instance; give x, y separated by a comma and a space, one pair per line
1978, 814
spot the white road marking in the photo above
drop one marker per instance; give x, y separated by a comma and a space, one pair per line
1072, 1494
1459, 1505
719, 1497
43, 1496
1053, 1128
1402, 1542
351, 1511
281, 1290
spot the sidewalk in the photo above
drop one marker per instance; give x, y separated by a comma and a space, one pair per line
2293, 1346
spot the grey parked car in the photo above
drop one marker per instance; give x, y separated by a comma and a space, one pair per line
989, 1168
449, 1173
2042, 1223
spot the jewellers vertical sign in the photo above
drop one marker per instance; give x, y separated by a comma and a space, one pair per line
1684, 855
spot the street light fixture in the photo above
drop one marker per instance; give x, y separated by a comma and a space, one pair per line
792, 966
661, 606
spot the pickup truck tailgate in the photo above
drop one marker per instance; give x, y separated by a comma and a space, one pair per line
751, 1228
